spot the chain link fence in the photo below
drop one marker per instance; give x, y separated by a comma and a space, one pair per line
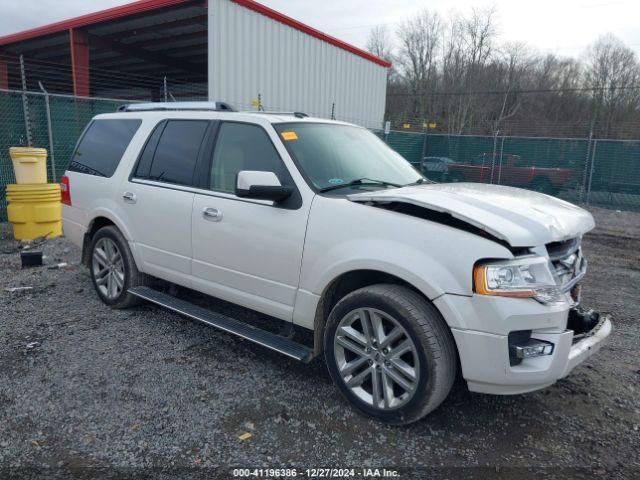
585, 170
53, 122
589, 171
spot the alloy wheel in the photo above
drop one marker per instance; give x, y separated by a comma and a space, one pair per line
376, 358
108, 268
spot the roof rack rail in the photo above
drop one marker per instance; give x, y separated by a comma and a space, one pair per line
268, 112
177, 106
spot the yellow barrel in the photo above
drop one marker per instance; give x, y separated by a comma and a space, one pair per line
29, 164
34, 210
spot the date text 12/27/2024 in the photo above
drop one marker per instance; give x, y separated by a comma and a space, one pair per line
316, 473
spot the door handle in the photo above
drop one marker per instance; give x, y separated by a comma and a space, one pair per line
212, 214
129, 197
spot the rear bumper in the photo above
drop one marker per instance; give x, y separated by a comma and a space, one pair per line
72, 229
484, 356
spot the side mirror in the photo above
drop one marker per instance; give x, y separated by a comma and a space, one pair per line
261, 186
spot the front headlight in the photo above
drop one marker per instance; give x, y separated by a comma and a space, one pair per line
529, 277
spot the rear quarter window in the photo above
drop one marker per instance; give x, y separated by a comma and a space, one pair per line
102, 146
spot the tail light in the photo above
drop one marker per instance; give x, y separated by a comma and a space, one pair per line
65, 193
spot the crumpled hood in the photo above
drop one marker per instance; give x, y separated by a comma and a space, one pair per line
520, 217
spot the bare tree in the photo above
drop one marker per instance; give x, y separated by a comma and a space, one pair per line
456, 72
419, 38
469, 49
512, 75
479, 36
454, 76
612, 70
379, 42
558, 105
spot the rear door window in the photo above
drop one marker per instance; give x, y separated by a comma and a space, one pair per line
177, 152
102, 146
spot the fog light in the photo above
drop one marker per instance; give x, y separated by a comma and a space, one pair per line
533, 348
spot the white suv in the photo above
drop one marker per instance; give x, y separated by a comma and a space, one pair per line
319, 224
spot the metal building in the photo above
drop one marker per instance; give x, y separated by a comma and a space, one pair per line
256, 50
238, 51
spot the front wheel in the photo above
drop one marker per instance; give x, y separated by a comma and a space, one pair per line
390, 353
455, 177
543, 185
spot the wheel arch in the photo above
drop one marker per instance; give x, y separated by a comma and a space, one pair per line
346, 283
457, 175
104, 219
543, 178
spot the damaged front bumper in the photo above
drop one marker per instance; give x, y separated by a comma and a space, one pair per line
487, 359
585, 343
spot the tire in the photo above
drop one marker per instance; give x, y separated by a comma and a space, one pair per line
543, 185
123, 275
433, 360
455, 177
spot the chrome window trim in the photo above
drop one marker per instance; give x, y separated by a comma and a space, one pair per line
199, 191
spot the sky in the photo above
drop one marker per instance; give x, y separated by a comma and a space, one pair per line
565, 27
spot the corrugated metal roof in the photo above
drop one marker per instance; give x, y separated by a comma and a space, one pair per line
134, 8
121, 13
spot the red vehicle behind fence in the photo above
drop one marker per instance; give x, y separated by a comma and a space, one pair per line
508, 169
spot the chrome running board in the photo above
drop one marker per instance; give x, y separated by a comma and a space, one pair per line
267, 339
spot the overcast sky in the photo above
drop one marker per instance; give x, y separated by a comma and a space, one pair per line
561, 26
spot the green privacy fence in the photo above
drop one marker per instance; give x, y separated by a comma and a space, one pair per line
25, 116
588, 171
582, 170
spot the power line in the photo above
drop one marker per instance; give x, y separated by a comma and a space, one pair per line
522, 91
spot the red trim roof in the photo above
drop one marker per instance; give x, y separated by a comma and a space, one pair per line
134, 8
142, 6
279, 17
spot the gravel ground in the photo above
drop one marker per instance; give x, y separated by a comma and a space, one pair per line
89, 391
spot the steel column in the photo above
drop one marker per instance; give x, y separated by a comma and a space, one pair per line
79, 45
4, 75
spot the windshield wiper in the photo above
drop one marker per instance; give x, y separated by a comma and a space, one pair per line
359, 181
419, 182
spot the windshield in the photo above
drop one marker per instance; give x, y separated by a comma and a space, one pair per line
331, 155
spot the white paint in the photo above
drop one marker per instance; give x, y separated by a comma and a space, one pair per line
249, 178
521, 217
280, 262
251, 54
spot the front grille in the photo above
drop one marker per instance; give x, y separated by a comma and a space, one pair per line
568, 263
558, 250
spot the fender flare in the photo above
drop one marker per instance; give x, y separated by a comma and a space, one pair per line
427, 288
102, 212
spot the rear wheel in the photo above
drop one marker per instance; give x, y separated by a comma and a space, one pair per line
113, 269
390, 353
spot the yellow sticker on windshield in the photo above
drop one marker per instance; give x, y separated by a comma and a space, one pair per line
288, 136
